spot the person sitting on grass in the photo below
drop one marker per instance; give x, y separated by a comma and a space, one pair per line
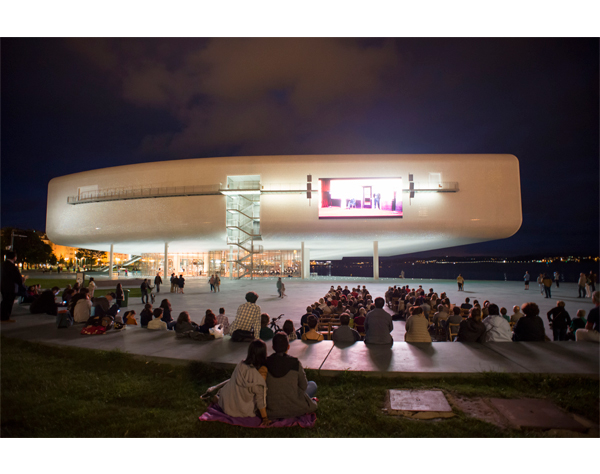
157, 323
266, 333
45, 303
344, 333
146, 315
210, 321
497, 328
245, 393
530, 327
417, 326
578, 322
472, 329
289, 394
288, 328
312, 334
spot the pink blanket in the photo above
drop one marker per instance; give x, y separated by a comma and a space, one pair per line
215, 413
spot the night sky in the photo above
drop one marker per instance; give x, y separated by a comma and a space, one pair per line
71, 105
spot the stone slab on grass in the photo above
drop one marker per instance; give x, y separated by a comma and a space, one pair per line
420, 404
531, 413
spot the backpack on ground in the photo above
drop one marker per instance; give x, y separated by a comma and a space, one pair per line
239, 335
64, 319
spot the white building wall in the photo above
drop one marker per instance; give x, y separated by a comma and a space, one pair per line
486, 207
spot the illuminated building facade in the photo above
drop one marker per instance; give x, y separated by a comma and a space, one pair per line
233, 214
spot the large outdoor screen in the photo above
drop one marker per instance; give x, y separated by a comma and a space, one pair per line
360, 198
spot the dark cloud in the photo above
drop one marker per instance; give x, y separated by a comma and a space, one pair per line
75, 104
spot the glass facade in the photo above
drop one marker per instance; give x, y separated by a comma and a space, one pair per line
262, 264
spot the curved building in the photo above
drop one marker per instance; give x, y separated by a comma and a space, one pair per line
308, 206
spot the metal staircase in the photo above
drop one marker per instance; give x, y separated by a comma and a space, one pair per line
243, 230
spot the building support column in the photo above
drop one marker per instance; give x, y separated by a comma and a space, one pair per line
166, 263
375, 260
111, 260
305, 267
231, 262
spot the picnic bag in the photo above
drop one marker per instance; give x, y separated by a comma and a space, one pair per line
217, 331
239, 335
64, 319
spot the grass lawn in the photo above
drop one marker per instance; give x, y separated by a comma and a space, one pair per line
70, 392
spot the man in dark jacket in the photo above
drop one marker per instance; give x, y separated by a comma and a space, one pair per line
559, 321
157, 282
289, 394
12, 284
144, 287
530, 327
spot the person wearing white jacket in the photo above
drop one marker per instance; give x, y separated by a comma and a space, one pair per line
82, 310
497, 329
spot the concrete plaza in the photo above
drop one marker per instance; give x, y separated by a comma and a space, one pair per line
402, 358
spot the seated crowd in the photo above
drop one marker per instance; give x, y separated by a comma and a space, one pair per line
343, 315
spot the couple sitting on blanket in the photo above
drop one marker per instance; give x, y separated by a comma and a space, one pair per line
276, 386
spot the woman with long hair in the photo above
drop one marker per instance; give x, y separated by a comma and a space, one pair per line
120, 295
167, 310
246, 391
210, 321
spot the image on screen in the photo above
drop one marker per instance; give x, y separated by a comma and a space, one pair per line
360, 198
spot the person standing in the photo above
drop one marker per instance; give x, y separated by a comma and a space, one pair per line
527, 278
547, 285
12, 283
559, 321
212, 283
217, 283
377, 201
461, 281
157, 282
279, 283
92, 287
144, 287
181, 283
174, 282
581, 283
557, 278
540, 282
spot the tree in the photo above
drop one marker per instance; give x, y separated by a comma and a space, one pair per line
90, 256
30, 249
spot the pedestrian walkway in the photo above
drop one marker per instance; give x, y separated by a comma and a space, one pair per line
439, 358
